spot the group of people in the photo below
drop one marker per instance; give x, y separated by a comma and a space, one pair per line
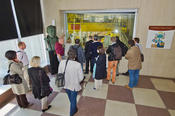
33, 78
36, 78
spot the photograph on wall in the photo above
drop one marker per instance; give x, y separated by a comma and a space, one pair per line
160, 37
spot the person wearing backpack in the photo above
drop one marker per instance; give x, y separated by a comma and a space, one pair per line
124, 50
80, 57
114, 52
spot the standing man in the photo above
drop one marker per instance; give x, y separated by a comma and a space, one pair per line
22, 57
134, 64
114, 52
88, 53
137, 40
93, 49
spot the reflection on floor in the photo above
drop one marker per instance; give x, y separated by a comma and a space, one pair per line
152, 97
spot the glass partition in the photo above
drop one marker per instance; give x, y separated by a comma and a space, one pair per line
105, 25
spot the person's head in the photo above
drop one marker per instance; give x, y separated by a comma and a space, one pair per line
72, 54
100, 50
22, 45
137, 40
113, 39
11, 55
131, 43
51, 30
35, 61
90, 38
95, 37
77, 41
61, 40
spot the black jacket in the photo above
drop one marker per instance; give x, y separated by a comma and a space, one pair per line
110, 52
123, 47
101, 67
37, 83
88, 52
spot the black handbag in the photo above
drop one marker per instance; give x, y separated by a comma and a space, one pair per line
60, 81
11, 79
142, 57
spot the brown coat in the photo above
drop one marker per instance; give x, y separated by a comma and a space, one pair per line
133, 56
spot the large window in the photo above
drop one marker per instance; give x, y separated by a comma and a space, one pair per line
104, 24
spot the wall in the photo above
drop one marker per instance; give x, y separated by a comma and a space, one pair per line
150, 12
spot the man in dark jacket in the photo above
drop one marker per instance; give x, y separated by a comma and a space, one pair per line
79, 51
88, 53
112, 61
93, 49
124, 51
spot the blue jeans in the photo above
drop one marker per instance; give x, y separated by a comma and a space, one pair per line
73, 101
133, 78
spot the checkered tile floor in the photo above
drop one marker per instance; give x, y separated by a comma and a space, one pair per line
152, 97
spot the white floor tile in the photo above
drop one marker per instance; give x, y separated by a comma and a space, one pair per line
115, 108
147, 97
172, 112
101, 93
121, 80
61, 105
164, 85
26, 112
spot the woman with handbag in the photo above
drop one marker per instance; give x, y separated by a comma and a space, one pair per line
40, 82
20, 90
73, 77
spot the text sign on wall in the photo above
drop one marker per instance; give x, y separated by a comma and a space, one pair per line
160, 37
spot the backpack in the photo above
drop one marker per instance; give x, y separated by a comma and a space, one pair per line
117, 51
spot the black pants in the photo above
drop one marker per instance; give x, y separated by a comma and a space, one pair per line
92, 64
22, 100
88, 60
53, 62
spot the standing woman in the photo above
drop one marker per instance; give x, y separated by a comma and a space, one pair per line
20, 90
73, 77
99, 71
40, 82
134, 64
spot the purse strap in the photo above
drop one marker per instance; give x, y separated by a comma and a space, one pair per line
65, 66
9, 67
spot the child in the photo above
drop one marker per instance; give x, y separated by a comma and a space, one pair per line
99, 69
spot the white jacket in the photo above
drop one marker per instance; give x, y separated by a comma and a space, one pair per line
73, 74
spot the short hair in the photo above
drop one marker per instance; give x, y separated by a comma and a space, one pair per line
95, 37
20, 43
137, 39
11, 55
113, 39
117, 37
101, 50
35, 61
72, 53
77, 41
90, 37
131, 42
